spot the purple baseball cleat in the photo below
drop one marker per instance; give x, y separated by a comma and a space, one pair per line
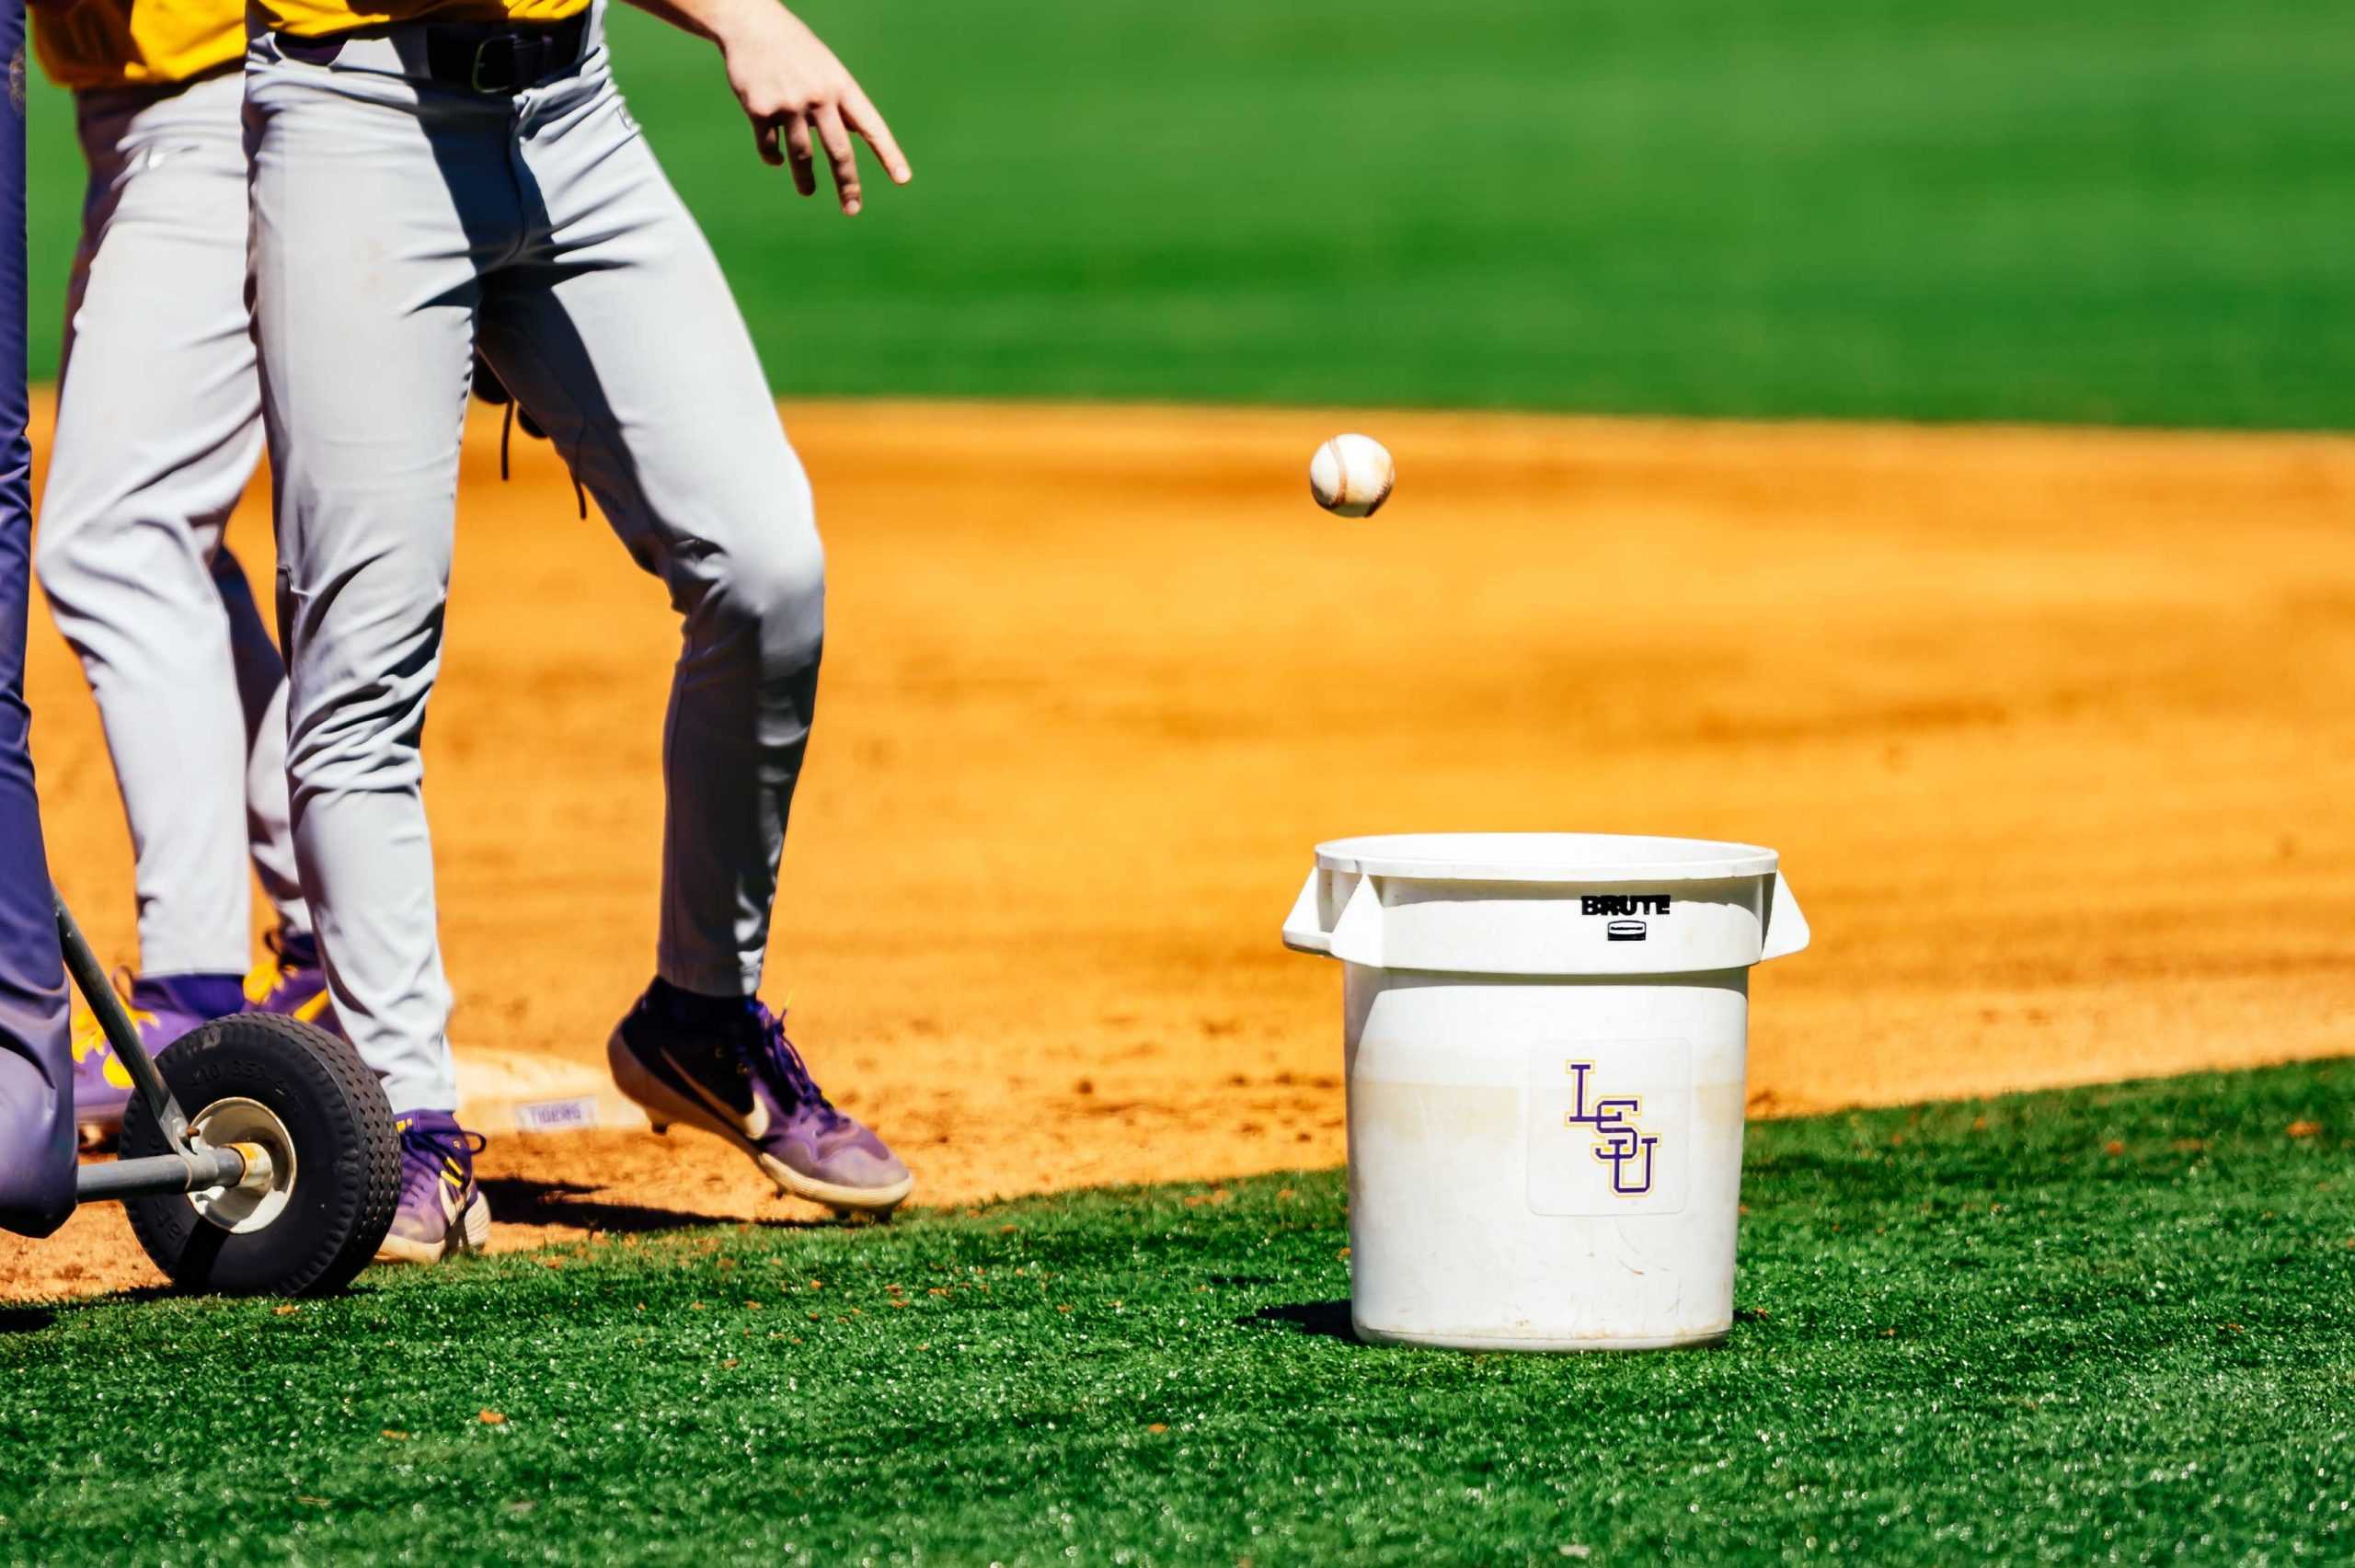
724, 1065
162, 1008
442, 1211
291, 983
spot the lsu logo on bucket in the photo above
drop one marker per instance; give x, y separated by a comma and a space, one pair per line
1607, 1126
1619, 1142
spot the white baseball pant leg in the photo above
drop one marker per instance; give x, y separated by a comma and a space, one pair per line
158, 430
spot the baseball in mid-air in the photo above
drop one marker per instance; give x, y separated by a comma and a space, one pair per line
1351, 475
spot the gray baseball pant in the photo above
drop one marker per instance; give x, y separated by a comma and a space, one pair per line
397, 224
158, 430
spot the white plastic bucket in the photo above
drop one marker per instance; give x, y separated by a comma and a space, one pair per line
1545, 1038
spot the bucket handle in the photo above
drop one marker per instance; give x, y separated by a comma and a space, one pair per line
1302, 932
1787, 930
1355, 936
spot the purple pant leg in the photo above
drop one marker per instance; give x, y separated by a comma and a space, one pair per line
36, 1077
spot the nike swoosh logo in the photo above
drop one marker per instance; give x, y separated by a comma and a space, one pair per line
754, 1125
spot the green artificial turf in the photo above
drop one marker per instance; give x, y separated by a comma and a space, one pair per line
2114, 1324
2130, 210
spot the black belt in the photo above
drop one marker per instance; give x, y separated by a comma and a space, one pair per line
472, 56
505, 60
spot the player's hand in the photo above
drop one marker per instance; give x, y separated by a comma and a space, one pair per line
803, 102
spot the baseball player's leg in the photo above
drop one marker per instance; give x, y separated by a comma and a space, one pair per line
290, 980
641, 371
630, 350
36, 1087
158, 431
344, 189
262, 704
36, 1077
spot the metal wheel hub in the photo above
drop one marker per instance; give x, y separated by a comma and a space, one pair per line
254, 1203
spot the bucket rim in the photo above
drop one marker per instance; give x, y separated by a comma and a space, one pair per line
1579, 858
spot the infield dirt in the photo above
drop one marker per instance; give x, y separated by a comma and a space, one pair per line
2050, 728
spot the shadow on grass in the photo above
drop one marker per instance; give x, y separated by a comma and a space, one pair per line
32, 1319
1326, 1319
519, 1200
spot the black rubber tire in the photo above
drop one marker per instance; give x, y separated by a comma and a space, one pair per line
347, 1159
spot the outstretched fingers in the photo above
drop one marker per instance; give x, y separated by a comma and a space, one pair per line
800, 101
840, 154
795, 137
863, 116
794, 129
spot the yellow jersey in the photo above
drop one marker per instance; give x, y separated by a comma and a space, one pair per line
325, 18
135, 43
